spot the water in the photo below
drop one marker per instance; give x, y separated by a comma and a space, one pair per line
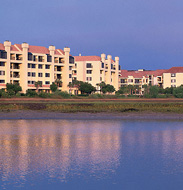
79, 154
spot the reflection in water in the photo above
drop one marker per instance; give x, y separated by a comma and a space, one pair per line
134, 155
54, 148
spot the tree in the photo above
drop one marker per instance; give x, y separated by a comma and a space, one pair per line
37, 85
53, 87
58, 82
86, 88
104, 88
101, 85
13, 89
178, 92
130, 89
153, 91
109, 88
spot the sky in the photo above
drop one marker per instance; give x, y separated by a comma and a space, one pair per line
145, 34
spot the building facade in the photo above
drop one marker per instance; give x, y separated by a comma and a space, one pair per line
95, 69
173, 77
141, 77
25, 64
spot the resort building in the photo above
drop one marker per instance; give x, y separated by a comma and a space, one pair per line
173, 77
95, 69
141, 77
25, 64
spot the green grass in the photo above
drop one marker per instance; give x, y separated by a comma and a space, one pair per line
72, 107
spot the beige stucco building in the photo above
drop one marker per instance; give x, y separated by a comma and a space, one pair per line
95, 69
25, 64
173, 77
141, 77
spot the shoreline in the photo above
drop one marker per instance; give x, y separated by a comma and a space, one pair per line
46, 115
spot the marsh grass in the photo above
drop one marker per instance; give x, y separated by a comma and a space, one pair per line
93, 107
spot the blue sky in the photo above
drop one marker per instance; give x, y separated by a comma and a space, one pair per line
143, 33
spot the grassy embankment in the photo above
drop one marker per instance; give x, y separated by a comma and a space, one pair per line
93, 106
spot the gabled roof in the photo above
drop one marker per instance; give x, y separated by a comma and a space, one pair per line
87, 58
60, 51
175, 70
35, 49
141, 74
14, 48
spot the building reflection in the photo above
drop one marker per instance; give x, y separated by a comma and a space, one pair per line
54, 147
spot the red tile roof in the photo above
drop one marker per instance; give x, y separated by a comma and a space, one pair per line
175, 70
61, 51
140, 74
87, 58
2, 46
14, 48
35, 49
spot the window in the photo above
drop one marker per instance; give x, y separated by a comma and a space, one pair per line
29, 82
173, 75
123, 81
2, 81
88, 65
100, 78
100, 72
2, 64
89, 78
33, 66
71, 59
40, 74
29, 65
30, 56
173, 80
89, 71
70, 76
3, 54
102, 65
33, 82
40, 66
47, 66
34, 58
47, 82
29, 74
33, 74
2, 72
40, 58
47, 74
49, 58
130, 80
70, 68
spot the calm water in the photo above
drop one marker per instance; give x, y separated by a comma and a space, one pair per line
63, 154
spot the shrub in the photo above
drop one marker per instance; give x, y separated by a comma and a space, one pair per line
31, 93
44, 95
61, 94
53, 87
13, 88
178, 92
95, 96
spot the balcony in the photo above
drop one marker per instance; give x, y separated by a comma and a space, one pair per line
15, 66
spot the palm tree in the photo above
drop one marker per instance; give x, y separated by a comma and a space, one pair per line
101, 85
37, 85
130, 89
58, 82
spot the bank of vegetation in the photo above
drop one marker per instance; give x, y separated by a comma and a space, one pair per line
88, 91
